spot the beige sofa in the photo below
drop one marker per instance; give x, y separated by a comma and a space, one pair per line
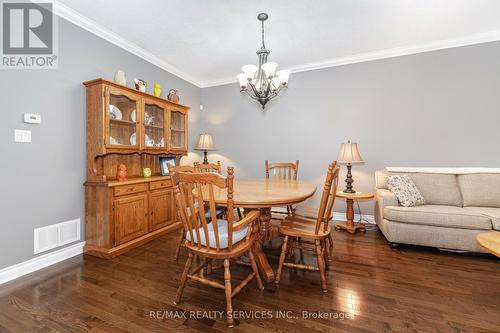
459, 206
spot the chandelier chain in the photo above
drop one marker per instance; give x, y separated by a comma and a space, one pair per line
263, 45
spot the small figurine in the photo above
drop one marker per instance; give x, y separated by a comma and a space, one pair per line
146, 172
172, 96
121, 172
120, 77
140, 85
156, 89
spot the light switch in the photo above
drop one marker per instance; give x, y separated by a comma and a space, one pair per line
22, 136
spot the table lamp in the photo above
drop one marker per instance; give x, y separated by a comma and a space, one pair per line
205, 143
349, 155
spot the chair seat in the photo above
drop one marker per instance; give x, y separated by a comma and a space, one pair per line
297, 226
223, 235
308, 211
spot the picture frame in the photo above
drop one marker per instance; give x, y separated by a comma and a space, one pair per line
164, 162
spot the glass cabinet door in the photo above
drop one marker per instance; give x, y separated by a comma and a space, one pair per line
121, 119
178, 131
154, 125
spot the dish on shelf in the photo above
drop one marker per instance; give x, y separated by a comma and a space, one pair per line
133, 139
114, 112
148, 141
133, 116
114, 141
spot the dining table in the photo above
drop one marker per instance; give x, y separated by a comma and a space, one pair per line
262, 195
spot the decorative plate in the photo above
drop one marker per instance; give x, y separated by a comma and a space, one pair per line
114, 112
133, 140
132, 116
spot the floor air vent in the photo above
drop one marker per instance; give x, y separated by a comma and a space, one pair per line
55, 235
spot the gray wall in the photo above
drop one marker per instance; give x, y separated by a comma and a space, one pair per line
42, 181
439, 108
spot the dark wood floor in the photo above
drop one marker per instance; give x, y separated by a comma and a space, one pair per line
372, 288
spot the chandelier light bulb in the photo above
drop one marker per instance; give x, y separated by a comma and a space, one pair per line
242, 78
270, 68
283, 75
249, 71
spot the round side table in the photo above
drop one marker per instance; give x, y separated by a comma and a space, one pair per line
349, 226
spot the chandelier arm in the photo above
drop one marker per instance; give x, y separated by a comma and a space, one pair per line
249, 94
256, 93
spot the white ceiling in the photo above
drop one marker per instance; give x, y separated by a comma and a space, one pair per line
207, 41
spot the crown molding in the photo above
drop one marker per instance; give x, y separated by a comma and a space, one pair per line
91, 26
487, 37
83, 22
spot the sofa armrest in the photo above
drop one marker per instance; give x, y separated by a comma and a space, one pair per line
386, 198
383, 198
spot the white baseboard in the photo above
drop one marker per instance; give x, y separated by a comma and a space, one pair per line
29, 266
365, 218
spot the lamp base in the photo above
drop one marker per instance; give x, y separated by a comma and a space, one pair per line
205, 159
349, 181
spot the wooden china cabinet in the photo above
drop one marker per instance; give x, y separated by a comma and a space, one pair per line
125, 126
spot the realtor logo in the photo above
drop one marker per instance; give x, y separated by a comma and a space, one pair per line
28, 35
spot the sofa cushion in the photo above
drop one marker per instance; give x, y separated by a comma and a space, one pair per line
438, 188
438, 215
480, 189
491, 212
405, 190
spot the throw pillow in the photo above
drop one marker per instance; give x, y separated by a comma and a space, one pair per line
405, 190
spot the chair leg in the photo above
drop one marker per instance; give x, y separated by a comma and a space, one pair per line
179, 244
209, 266
255, 270
183, 281
282, 260
227, 288
330, 239
321, 265
301, 252
326, 254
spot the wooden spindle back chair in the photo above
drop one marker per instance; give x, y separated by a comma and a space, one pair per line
282, 171
171, 170
219, 239
314, 229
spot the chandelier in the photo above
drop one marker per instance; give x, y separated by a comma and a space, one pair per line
263, 83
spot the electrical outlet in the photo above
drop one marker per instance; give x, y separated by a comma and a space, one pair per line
22, 135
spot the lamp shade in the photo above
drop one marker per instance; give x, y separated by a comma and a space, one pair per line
205, 142
349, 154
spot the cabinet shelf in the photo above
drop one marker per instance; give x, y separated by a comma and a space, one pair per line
122, 122
154, 126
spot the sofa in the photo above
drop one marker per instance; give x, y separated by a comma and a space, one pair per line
459, 205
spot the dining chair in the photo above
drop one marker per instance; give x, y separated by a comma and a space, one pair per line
214, 167
171, 170
282, 171
316, 230
217, 240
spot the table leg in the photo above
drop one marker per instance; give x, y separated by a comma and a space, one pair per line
350, 226
265, 231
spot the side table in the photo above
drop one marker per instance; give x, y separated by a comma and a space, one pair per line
349, 226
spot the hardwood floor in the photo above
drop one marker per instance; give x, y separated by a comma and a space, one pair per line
372, 288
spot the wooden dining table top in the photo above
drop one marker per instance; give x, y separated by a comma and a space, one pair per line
262, 193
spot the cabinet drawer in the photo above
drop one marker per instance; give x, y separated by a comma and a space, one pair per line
129, 189
160, 184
